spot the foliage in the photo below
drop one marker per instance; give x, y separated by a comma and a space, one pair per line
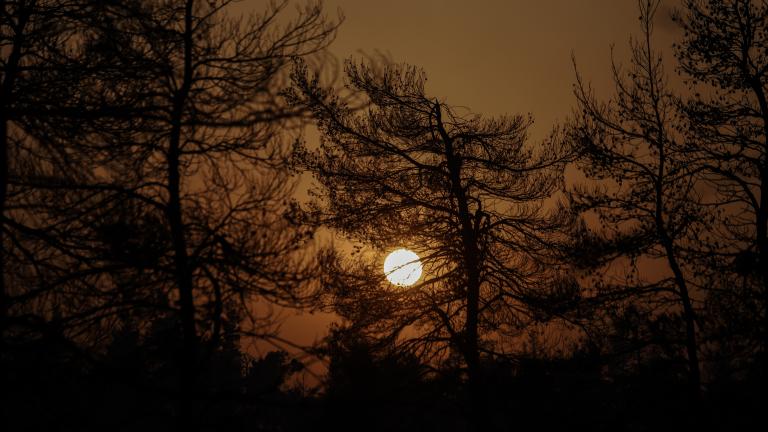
466, 193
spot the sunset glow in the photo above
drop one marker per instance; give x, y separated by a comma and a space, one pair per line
402, 267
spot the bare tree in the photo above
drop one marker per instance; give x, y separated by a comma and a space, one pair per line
724, 55
643, 188
42, 71
198, 200
464, 192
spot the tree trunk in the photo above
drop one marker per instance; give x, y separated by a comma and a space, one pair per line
689, 315
691, 344
6, 89
4, 300
470, 348
182, 268
761, 219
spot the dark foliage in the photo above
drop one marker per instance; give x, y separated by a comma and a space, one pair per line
466, 193
150, 241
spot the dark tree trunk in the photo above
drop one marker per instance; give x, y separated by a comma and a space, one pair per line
6, 89
689, 315
183, 270
470, 348
4, 300
762, 219
667, 242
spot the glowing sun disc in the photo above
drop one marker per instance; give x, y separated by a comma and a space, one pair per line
402, 267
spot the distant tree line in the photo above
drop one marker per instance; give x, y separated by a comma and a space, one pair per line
613, 275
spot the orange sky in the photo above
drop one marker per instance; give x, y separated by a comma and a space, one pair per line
492, 56
495, 56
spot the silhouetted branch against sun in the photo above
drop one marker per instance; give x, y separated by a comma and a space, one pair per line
153, 245
464, 192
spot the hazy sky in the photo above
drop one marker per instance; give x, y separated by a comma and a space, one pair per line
493, 57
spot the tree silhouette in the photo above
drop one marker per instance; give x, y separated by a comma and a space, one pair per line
149, 242
33, 60
201, 152
44, 70
643, 188
723, 54
368, 381
464, 192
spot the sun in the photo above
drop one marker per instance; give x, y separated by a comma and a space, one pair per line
402, 267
